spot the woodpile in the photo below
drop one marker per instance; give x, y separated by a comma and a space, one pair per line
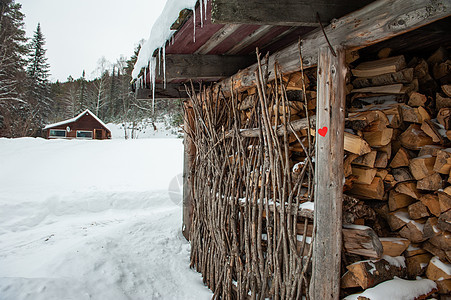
402, 109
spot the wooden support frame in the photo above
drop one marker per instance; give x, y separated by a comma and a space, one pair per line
325, 283
283, 13
188, 166
195, 66
373, 23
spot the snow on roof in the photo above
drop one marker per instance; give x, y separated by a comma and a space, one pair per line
75, 119
161, 30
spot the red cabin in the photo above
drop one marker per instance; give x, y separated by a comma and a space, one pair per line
84, 126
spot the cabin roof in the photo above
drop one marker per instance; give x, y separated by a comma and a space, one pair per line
75, 119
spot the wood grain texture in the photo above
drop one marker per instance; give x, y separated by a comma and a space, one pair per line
325, 282
287, 12
373, 23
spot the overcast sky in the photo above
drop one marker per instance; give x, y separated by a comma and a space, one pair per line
79, 32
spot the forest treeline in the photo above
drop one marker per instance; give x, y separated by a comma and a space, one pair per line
29, 100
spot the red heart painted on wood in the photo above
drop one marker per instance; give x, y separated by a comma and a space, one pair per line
322, 131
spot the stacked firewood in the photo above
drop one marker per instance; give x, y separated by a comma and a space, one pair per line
397, 164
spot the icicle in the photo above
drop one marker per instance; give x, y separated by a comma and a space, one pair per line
194, 19
164, 66
153, 85
205, 8
159, 61
145, 77
201, 3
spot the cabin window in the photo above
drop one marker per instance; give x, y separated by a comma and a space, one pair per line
57, 133
81, 134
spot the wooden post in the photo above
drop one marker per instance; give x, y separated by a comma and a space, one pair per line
188, 162
325, 283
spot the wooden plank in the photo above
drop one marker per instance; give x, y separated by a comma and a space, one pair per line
189, 156
194, 66
371, 24
285, 13
217, 38
325, 282
250, 39
174, 91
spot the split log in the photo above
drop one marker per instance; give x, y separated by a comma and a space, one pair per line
442, 163
413, 231
431, 248
430, 228
371, 272
416, 99
414, 138
417, 265
444, 221
402, 174
397, 200
442, 102
403, 76
408, 188
361, 120
432, 182
348, 281
347, 163
375, 190
355, 144
364, 175
432, 203
430, 150
366, 160
442, 240
431, 130
381, 160
414, 114
378, 138
422, 166
446, 88
361, 240
418, 210
398, 219
444, 286
414, 249
438, 270
444, 200
444, 117
394, 246
379, 67
401, 159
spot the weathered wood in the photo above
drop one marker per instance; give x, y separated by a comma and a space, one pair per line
431, 129
432, 182
418, 210
413, 231
366, 160
414, 138
188, 169
172, 91
398, 219
422, 166
325, 283
283, 13
217, 38
402, 174
195, 66
375, 19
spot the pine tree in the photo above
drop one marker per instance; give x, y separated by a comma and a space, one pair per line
82, 100
13, 48
38, 82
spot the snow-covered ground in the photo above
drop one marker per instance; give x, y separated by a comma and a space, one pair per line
92, 220
144, 130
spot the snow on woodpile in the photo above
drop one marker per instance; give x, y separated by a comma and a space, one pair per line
161, 32
397, 288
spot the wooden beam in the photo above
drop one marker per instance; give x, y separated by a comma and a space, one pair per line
175, 91
325, 283
194, 66
373, 23
188, 168
283, 13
